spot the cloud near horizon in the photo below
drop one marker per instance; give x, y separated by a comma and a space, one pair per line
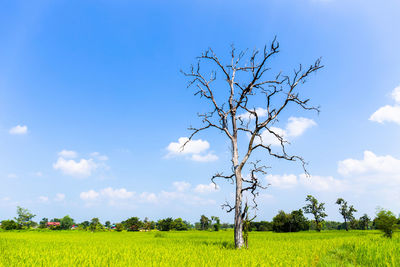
121, 197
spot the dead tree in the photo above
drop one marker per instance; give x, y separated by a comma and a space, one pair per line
232, 111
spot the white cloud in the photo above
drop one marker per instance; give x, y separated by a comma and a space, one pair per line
124, 198
82, 168
192, 147
181, 186
89, 195
148, 197
195, 148
204, 158
98, 156
295, 127
371, 163
298, 125
39, 174
59, 197
43, 199
389, 113
12, 175
206, 188
19, 129
282, 181
248, 116
396, 94
116, 193
68, 154
315, 182
322, 183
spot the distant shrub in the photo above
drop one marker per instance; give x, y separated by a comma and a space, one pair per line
9, 225
159, 235
119, 227
386, 222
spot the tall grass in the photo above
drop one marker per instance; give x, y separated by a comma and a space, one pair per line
195, 248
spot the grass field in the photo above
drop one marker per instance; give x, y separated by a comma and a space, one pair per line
195, 248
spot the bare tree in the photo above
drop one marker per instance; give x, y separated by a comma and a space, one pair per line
247, 76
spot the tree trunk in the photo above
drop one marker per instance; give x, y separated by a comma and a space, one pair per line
345, 224
239, 242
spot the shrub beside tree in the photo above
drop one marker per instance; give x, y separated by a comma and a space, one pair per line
290, 222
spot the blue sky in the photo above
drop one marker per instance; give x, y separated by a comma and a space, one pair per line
92, 102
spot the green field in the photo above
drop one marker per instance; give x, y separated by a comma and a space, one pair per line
196, 248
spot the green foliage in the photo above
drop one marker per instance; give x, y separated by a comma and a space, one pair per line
133, 224
95, 225
216, 223
43, 223
346, 211
119, 227
363, 222
9, 225
386, 222
317, 210
179, 225
24, 218
204, 222
293, 222
165, 224
66, 223
261, 226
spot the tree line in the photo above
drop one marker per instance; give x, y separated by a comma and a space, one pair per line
294, 221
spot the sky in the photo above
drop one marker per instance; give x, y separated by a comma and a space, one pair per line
93, 107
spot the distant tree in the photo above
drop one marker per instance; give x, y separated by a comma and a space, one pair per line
43, 223
204, 222
293, 222
165, 224
133, 224
119, 227
327, 225
386, 222
280, 222
346, 211
261, 226
179, 225
66, 222
107, 224
226, 226
298, 222
216, 223
188, 225
9, 225
84, 224
24, 217
317, 210
95, 225
363, 222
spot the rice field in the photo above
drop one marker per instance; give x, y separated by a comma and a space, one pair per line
196, 248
